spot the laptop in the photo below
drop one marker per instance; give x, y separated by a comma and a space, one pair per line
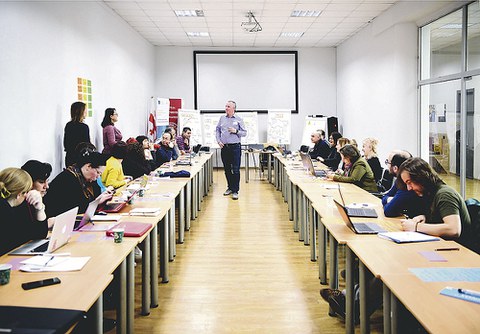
112, 207
89, 216
308, 165
61, 233
358, 228
358, 212
185, 162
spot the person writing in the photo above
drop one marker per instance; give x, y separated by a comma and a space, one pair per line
76, 131
22, 213
77, 185
111, 134
229, 130
446, 213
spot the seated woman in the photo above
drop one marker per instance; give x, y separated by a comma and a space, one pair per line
370, 153
341, 142
77, 185
22, 213
135, 163
447, 215
333, 158
173, 143
359, 172
113, 174
165, 151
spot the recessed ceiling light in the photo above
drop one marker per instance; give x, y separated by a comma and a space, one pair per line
306, 13
291, 34
189, 13
197, 34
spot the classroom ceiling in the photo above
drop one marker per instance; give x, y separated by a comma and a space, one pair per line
337, 21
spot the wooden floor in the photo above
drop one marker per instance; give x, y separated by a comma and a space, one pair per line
241, 270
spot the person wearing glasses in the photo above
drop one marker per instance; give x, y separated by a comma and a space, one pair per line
22, 213
111, 134
77, 185
321, 147
229, 130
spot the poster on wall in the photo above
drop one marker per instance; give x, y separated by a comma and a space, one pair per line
175, 106
279, 126
209, 124
250, 119
312, 124
84, 92
190, 118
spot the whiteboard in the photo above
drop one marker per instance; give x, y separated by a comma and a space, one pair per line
190, 118
312, 124
250, 119
209, 124
279, 126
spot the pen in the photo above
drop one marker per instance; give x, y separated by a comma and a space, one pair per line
447, 249
51, 258
469, 292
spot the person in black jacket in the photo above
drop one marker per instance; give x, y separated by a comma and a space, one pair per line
370, 153
77, 185
321, 148
135, 164
22, 213
334, 157
76, 132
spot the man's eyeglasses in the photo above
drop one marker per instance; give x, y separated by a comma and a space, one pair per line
387, 162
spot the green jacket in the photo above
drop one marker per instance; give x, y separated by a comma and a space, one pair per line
361, 175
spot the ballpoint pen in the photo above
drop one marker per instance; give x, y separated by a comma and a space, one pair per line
48, 261
447, 249
469, 292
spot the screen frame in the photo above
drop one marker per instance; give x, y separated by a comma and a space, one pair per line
261, 111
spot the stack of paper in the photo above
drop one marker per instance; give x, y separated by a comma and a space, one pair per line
145, 212
402, 237
53, 263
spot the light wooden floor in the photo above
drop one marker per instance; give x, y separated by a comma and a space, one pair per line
241, 270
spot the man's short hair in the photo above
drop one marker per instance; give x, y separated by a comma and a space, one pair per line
234, 104
185, 129
398, 159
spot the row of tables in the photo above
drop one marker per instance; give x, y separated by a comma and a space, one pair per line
83, 290
312, 210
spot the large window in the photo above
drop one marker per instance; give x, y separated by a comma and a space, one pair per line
449, 97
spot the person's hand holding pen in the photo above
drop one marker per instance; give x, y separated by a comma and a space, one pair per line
412, 224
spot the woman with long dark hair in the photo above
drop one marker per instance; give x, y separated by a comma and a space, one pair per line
111, 134
76, 131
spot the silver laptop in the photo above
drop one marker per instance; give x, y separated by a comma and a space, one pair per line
87, 216
358, 228
358, 212
61, 233
308, 164
185, 162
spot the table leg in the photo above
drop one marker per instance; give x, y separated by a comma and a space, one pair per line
154, 260
122, 307
269, 175
181, 216
322, 251
247, 166
188, 207
312, 218
333, 262
350, 292
97, 315
387, 323
171, 239
164, 249
394, 313
295, 208
363, 284
146, 293
130, 291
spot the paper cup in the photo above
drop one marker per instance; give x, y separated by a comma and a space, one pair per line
5, 270
118, 235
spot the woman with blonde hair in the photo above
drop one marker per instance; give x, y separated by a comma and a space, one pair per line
22, 213
370, 153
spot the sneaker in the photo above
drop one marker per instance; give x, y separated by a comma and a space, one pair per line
227, 192
327, 293
235, 196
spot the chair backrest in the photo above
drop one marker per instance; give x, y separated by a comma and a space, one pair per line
304, 148
472, 239
385, 183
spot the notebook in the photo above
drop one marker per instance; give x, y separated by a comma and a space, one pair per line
150, 212
308, 165
132, 229
61, 233
358, 228
358, 212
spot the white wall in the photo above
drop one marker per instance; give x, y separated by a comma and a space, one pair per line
376, 90
44, 48
316, 83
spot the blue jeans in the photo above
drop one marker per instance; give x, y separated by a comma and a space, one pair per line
231, 156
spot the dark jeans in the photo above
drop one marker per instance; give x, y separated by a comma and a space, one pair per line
231, 156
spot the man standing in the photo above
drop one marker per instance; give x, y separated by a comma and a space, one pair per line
228, 132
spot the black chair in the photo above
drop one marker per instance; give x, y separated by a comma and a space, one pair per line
470, 237
386, 182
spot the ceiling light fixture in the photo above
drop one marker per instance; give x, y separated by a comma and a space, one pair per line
252, 24
291, 34
306, 13
189, 13
197, 34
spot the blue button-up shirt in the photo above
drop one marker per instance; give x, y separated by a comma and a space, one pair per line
222, 133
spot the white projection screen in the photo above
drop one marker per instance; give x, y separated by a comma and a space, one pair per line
255, 80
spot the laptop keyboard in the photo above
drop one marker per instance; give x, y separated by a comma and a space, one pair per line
361, 227
361, 212
41, 248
